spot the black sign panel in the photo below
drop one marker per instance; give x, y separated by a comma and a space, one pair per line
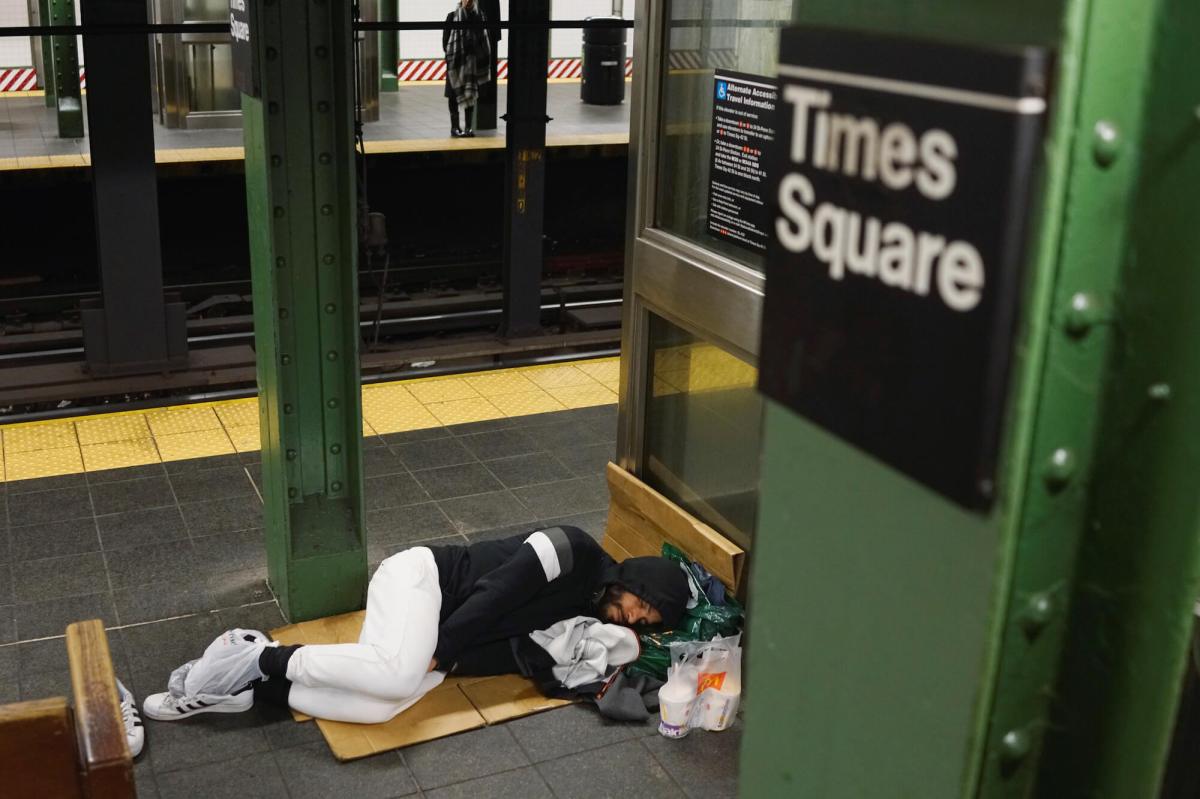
742, 133
245, 65
900, 182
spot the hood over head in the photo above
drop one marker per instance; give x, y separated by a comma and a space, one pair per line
658, 581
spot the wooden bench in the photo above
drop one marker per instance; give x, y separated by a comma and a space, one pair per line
640, 519
49, 749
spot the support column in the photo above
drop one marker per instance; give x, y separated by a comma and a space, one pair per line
39, 14
300, 197
485, 111
389, 47
130, 329
63, 64
526, 168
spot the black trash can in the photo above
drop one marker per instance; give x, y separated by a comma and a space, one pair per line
603, 65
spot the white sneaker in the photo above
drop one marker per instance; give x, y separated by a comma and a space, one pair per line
135, 733
166, 707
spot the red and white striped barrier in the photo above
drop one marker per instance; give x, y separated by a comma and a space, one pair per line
418, 70
18, 79
24, 79
695, 59
428, 70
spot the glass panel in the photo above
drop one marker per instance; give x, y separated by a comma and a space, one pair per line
703, 425
702, 36
210, 68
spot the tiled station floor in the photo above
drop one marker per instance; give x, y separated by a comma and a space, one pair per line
117, 517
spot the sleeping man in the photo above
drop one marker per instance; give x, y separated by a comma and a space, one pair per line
430, 611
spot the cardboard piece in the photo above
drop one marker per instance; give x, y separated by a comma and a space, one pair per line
457, 705
500, 698
640, 519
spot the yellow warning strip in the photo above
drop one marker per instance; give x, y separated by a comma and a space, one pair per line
134, 438
211, 154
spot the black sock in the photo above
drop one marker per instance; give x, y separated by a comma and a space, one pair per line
273, 661
274, 691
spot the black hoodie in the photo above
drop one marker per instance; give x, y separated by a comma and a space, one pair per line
493, 591
659, 581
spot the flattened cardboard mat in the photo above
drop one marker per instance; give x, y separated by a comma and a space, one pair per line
457, 705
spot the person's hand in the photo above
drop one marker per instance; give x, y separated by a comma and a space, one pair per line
432, 665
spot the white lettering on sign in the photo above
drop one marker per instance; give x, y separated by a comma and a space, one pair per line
898, 256
238, 29
846, 241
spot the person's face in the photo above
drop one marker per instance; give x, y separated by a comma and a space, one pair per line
630, 610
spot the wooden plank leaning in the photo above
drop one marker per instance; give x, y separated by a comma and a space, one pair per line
104, 758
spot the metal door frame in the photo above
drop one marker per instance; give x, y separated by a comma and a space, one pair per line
695, 288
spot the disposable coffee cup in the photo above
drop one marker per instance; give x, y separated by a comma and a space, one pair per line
674, 717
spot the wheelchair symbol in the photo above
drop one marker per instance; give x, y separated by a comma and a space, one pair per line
722, 90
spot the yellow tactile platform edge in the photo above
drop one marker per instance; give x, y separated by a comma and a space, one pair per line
135, 438
210, 154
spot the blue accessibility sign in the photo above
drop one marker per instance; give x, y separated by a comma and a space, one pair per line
722, 89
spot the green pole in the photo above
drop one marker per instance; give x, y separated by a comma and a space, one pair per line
63, 61
47, 54
389, 47
1138, 568
902, 647
301, 201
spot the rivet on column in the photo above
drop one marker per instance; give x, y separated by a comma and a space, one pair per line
1059, 469
1106, 142
1083, 314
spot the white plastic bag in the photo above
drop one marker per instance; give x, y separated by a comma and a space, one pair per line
703, 688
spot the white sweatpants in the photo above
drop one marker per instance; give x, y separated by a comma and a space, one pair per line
386, 671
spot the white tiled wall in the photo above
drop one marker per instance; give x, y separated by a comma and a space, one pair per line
563, 43
14, 50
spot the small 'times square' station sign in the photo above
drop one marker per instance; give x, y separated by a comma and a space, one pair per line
900, 187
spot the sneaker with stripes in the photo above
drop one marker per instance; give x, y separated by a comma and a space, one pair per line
220, 681
167, 707
135, 733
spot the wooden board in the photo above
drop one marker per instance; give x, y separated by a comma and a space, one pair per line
640, 519
37, 749
104, 758
457, 705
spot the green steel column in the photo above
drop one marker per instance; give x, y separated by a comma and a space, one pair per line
1108, 59
63, 62
47, 75
300, 197
1131, 614
389, 47
901, 647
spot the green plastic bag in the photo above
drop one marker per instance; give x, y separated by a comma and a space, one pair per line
702, 623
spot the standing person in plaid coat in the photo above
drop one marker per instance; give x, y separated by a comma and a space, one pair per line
468, 64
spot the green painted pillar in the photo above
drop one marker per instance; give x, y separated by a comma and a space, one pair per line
47, 63
1139, 557
301, 201
389, 47
901, 646
63, 63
